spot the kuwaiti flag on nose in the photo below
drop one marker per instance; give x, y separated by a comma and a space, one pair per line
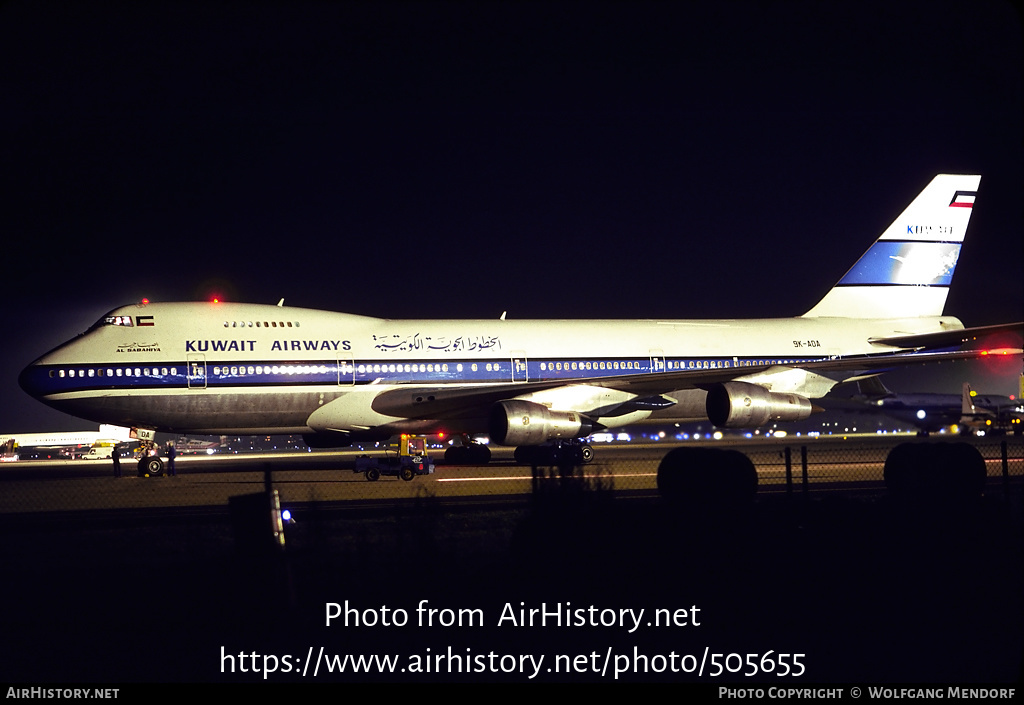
963, 199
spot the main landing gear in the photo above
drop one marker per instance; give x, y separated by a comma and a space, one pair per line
150, 462
469, 453
560, 453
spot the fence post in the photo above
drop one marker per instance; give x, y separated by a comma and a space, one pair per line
789, 472
1006, 470
803, 468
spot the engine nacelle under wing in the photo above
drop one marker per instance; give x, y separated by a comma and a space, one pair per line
515, 422
745, 405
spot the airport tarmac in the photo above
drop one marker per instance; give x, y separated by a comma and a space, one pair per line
833, 464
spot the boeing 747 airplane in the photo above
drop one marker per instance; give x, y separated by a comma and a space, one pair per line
336, 378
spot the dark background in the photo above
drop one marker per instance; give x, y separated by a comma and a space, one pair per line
451, 160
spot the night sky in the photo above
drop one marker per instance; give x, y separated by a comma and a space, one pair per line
457, 160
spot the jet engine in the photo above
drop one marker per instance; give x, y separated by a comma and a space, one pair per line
745, 405
515, 422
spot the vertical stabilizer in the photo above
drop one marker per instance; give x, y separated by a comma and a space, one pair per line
966, 402
907, 272
872, 388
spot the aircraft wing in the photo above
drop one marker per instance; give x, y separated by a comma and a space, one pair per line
419, 402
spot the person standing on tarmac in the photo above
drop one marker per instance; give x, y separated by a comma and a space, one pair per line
171, 452
115, 456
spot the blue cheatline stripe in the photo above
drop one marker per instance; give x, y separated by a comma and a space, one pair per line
72, 378
905, 263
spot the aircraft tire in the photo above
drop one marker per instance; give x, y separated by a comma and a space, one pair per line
407, 474
151, 467
481, 454
372, 474
586, 453
525, 455
476, 454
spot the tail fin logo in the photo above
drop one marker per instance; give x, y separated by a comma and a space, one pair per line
906, 273
963, 199
905, 263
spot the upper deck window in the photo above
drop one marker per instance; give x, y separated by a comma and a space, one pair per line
257, 324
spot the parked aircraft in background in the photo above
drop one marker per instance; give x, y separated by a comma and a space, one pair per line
190, 446
63, 440
933, 412
336, 378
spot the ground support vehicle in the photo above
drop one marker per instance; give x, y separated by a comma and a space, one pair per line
410, 460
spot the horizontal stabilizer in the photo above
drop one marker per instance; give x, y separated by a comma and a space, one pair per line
948, 338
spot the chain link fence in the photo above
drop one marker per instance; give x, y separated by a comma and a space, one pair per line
792, 466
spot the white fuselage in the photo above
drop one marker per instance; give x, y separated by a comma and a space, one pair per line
248, 368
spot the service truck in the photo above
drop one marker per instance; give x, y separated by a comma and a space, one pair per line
410, 460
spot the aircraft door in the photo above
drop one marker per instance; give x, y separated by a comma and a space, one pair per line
657, 360
520, 370
196, 371
346, 370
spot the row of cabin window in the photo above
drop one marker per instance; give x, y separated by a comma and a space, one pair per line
671, 365
261, 324
277, 369
587, 366
364, 369
117, 372
722, 364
